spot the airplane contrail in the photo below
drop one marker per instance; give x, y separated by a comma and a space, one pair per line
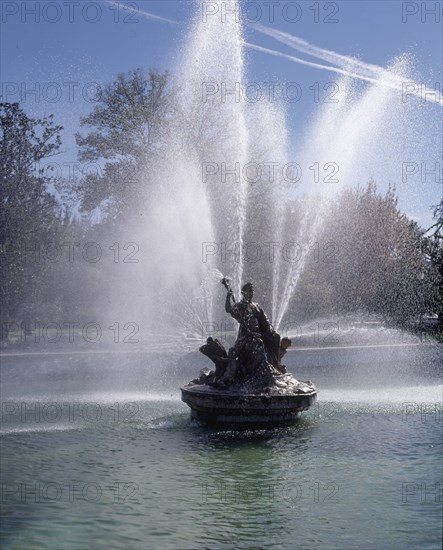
310, 63
320, 53
344, 65
347, 66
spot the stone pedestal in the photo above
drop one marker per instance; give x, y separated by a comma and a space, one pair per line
278, 404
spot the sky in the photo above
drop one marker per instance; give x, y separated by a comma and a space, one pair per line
55, 55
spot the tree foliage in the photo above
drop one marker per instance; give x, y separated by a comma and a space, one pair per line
435, 250
29, 214
376, 260
127, 129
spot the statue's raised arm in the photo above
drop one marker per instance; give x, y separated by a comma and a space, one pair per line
230, 302
230, 299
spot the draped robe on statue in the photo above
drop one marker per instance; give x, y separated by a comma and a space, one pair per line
257, 343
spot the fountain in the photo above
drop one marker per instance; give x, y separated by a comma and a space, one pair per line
98, 451
249, 386
242, 207
216, 206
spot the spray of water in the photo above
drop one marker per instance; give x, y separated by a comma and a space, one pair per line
196, 199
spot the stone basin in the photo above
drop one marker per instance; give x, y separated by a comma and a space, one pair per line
275, 405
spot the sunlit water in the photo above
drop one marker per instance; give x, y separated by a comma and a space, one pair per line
94, 457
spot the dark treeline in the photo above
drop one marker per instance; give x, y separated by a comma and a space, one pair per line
369, 256
372, 258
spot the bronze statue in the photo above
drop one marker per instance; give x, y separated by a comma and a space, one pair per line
258, 350
249, 388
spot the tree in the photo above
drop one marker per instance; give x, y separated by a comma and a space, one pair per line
437, 227
127, 131
378, 263
30, 215
435, 249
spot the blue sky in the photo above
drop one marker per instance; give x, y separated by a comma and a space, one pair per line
81, 43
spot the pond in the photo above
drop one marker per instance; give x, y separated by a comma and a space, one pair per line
99, 452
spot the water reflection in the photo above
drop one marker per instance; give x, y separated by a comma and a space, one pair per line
132, 468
